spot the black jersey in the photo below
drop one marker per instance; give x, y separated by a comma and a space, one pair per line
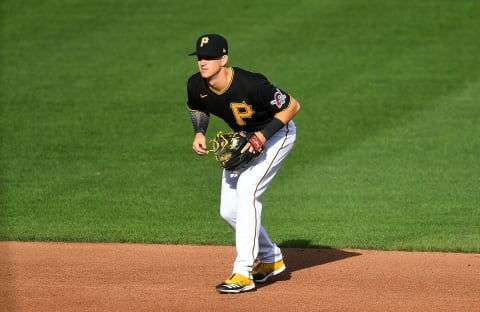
248, 103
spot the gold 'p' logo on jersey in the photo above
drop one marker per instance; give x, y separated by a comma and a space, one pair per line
241, 111
203, 41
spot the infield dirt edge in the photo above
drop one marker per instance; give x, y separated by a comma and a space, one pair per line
149, 277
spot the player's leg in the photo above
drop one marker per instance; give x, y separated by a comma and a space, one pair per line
270, 256
246, 235
236, 283
251, 185
284, 140
268, 251
228, 198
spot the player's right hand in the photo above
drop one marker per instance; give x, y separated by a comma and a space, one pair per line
200, 144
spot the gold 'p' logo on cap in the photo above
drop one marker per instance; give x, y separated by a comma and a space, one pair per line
203, 41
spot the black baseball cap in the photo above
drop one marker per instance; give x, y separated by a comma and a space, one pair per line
211, 45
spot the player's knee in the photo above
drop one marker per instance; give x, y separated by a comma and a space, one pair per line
227, 214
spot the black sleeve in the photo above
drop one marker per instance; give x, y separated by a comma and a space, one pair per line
274, 99
193, 100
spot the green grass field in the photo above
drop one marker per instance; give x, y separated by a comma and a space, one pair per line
96, 138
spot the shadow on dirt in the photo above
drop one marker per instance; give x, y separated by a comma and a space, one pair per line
299, 258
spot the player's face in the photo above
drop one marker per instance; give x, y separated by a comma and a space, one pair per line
209, 66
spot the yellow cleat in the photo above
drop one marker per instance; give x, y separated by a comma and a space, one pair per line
264, 271
236, 283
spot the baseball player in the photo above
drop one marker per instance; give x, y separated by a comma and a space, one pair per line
246, 101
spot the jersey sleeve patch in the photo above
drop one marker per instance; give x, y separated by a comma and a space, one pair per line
279, 99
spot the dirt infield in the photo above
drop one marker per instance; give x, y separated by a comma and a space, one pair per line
137, 277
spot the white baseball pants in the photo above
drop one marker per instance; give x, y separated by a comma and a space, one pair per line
240, 204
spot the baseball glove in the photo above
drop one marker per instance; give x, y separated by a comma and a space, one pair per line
228, 149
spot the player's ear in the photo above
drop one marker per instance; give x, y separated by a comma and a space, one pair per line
224, 60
